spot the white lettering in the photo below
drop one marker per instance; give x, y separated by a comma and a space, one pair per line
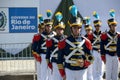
13, 27
16, 27
26, 22
15, 21
32, 17
19, 17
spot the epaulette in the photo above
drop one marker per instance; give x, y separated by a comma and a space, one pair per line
88, 44
62, 44
36, 37
48, 43
104, 36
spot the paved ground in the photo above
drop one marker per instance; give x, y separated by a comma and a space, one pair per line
17, 67
17, 70
18, 77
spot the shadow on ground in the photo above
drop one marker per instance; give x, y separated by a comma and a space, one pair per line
26, 77
17, 77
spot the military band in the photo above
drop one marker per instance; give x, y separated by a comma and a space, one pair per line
78, 56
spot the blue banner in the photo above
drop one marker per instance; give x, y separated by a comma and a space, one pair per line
22, 20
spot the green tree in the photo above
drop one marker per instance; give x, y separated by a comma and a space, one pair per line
64, 9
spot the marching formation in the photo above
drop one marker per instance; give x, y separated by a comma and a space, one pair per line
78, 56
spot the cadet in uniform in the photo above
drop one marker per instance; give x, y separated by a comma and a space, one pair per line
42, 45
52, 47
98, 65
47, 34
108, 49
35, 42
74, 55
88, 29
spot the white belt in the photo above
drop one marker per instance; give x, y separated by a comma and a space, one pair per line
112, 39
77, 48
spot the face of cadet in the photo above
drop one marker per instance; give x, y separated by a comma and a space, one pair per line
48, 28
97, 27
113, 27
88, 31
76, 30
59, 31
